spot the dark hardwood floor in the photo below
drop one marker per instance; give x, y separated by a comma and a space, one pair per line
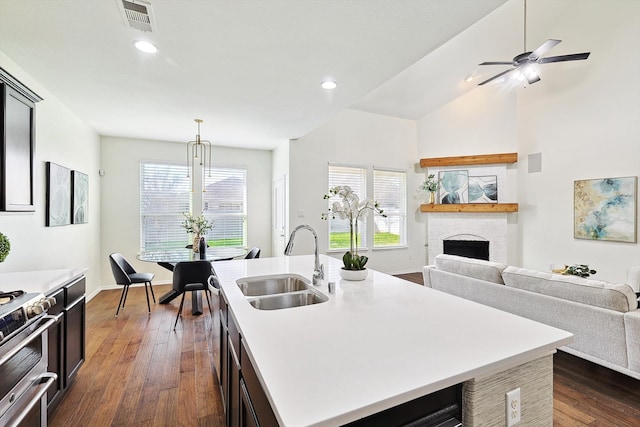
140, 372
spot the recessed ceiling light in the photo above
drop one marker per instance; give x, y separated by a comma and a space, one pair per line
329, 84
146, 47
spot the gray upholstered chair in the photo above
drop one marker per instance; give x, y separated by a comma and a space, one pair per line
125, 275
253, 253
192, 276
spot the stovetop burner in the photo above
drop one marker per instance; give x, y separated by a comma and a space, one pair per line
6, 297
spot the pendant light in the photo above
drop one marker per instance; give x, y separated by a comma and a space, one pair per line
198, 151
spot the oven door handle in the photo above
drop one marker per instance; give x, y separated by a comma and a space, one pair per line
51, 320
46, 380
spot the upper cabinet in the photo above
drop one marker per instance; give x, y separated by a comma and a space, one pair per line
480, 159
17, 144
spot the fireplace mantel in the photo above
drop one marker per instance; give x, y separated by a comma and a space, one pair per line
470, 207
478, 159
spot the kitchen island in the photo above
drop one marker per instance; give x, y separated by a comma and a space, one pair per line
378, 344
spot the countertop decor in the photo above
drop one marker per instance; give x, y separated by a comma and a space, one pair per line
349, 207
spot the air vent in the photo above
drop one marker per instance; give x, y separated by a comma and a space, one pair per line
137, 14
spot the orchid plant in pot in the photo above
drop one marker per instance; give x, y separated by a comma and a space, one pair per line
196, 225
350, 207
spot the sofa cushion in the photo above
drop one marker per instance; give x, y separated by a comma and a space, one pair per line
471, 267
612, 296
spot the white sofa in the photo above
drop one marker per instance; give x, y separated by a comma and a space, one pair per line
603, 317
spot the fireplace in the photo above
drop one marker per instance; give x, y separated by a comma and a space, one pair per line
478, 249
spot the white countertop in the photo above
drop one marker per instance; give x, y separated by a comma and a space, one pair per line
38, 281
375, 344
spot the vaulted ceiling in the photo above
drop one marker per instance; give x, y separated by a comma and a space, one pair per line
250, 69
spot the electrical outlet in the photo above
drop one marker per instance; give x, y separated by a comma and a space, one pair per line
513, 407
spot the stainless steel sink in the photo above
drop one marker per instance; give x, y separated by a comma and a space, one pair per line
272, 285
289, 300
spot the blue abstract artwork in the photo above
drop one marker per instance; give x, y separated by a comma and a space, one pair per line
483, 189
453, 187
605, 209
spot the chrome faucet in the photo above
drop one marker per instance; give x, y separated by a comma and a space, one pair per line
318, 269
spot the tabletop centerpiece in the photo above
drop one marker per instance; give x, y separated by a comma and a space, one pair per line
351, 208
196, 225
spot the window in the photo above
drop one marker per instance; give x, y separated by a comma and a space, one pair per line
165, 194
225, 205
356, 178
389, 190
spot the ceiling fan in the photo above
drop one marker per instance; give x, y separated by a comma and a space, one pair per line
524, 61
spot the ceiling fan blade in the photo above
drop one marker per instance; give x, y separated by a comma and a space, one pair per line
543, 48
563, 58
496, 76
497, 63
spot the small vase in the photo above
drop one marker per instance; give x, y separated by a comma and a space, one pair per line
432, 197
354, 275
196, 243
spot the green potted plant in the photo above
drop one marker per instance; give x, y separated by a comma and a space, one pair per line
431, 185
350, 207
581, 270
196, 225
5, 247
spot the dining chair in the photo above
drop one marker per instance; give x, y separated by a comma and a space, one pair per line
125, 275
192, 276
253, 253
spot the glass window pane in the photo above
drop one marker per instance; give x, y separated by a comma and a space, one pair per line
165, 195
225, 205
389, 190
356, 178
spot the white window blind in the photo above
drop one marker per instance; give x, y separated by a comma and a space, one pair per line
356, 178
225, 205
165, 194
390, 191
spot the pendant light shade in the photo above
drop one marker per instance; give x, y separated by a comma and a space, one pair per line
198, 152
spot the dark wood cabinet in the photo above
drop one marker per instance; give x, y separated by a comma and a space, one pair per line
66, 338
74, 339
256, 397
17, 144
56, 348
247, 416
244, 400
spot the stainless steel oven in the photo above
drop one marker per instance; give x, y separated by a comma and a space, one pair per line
24, 379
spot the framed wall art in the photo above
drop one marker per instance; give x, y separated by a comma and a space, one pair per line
80, 196
58, 195
483, 189
453, 187
605, 209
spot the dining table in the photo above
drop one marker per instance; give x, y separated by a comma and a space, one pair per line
170, 257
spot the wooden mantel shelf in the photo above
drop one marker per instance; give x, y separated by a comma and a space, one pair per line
470, 207
480, 159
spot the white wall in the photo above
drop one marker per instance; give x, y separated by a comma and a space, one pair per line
63, 139
121, 159
482, 121
585, 120
280, 169
584, 117
360, 139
